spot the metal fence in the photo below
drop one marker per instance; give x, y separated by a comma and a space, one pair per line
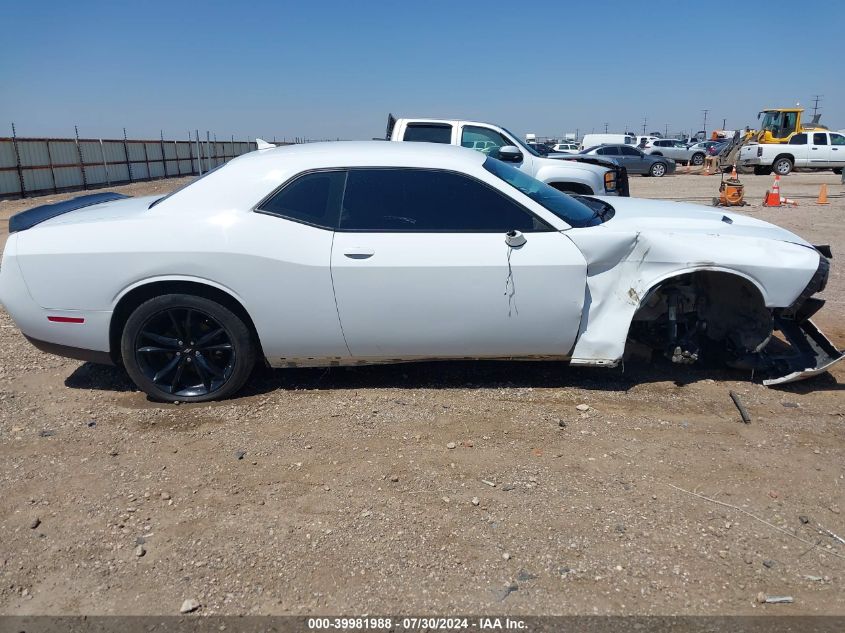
31, 166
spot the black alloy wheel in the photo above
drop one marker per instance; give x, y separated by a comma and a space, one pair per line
187, 348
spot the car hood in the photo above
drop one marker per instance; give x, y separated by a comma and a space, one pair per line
644, 215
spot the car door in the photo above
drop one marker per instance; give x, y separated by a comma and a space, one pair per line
634, 160
819, 150
421, 269
837, 150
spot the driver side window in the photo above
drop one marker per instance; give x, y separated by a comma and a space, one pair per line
429, 201
483, 139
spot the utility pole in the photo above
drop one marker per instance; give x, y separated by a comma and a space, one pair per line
816, 99
605, 128
705, 122
645, 120
666, 131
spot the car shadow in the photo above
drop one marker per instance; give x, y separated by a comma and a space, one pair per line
460, 375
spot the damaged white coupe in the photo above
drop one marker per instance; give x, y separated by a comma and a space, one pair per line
353, 253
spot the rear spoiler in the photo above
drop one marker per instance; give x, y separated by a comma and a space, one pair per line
29, 218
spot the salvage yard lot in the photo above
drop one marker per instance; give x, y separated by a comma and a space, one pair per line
371, 490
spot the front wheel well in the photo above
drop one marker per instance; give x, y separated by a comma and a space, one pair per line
135, 297
703, 311
572, 187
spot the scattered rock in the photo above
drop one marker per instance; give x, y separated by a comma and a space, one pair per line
140, 550
366, 513
761, 597
504, 592
166, 496
773, 494
804, 519
583, 407
394, 478
92, 424
188, 606
308, 447
791, 405
506, 556
524, 576
560, 423
748, 558
492, 484
34, 523
475, 501
140, 540
46, 433
508, 487
768, 564
238, 455
834, 509
451, 445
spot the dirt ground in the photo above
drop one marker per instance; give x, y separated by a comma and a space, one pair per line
336, 492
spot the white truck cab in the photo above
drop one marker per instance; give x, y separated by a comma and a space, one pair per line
813, 149
570, 176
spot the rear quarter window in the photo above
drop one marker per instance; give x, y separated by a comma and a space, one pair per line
428, 133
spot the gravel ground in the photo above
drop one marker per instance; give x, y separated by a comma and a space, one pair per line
521, 488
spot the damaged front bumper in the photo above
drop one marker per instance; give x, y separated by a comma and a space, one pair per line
814, 353
811, 353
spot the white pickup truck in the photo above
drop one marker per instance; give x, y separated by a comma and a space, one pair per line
814, 149
573, 174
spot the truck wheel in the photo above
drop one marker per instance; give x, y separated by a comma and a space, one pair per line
837, 170
657, 170
762, 170
697, 159
782, 166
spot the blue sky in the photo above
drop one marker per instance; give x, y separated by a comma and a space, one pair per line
335, 69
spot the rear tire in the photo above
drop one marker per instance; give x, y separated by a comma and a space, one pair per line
782, 166
658, 170
186, 348
697, 159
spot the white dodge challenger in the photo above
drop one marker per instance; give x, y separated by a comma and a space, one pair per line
352, 253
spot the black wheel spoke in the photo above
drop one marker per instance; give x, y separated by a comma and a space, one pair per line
209, 337
185, 352
166, 369
220, 346
177, 375
204, 375
203, 362
153, 348
176, 327
165, 341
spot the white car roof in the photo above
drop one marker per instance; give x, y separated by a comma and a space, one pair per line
247, 179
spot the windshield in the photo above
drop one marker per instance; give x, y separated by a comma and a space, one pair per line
567, 208
531, 150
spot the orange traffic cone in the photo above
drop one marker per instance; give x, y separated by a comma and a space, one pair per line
772, 198
822, 199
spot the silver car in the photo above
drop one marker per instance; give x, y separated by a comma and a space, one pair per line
635, 161
676, 150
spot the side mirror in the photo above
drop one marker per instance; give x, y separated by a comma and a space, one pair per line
515, 238
510, 154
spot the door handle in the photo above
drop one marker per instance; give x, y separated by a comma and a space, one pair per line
359, 252
814, 148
